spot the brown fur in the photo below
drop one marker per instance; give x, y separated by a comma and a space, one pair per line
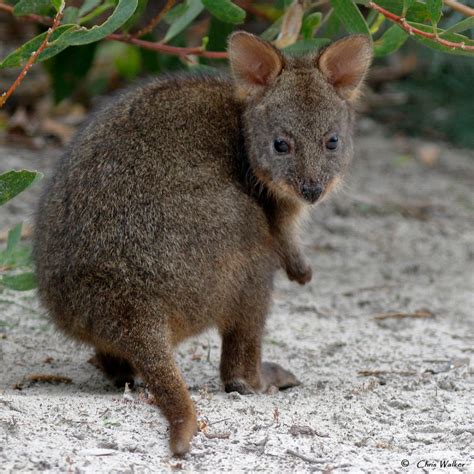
169, 214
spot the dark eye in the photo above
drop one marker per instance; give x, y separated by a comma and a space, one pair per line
281, 146
332, 142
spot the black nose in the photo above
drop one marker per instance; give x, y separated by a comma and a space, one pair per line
311, 192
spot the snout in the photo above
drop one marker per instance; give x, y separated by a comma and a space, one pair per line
311, 192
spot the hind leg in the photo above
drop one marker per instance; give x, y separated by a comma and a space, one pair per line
143, 340
117, 369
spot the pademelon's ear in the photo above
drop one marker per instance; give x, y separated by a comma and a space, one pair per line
345, 64
254, 62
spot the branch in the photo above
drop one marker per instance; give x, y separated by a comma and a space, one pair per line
56, 22
459, 7
411, 30
154, 21
167, 49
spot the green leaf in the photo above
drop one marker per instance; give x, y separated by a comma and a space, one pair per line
310, 24
14, 182
434, 9
77, 36
407, 4
191, 9
454, 37
14, 237
463, 25
88, 6
390, 41
350, 16
21, 282
129, 62
225, 11
218, 34
69, 68
307, 45
136, 16
58, 4
28, 7
272, 31
18, 57
418, 11
70, 15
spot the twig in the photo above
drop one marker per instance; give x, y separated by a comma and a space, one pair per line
411, 30
306, 458
154, 21
56, 22
459, 7
225, 435
378, 373
420, 314
44, 20
167, 49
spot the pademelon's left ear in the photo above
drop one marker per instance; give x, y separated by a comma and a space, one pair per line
345, 64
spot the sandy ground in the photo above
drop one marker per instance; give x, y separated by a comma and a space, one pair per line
399, 238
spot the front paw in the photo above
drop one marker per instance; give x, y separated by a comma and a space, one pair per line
301, 273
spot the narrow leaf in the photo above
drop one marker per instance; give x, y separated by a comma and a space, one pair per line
14, 182
390, 41
291, 25
14, 236
225, 11
463, 25
21, 282
310, 24
307, 46
58, 4
433, 44
434, 9
18, 57
28, 7
350, 16
77, 36
88, 6
191, 10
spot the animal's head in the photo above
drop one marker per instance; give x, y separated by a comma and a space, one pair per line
298, 111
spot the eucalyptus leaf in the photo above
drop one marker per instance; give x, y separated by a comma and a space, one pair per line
80, 35
435, 10
14, 182
181, 22
350, 17
225, 11
307, 46
28, 7
14, 237
433, 44
88, 6
390, 41
310, 24
21, 55
58, 4
22, 282
463, 25
70, 15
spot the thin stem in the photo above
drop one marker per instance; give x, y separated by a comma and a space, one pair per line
416, 31
167, 49
459, 7
56, 22
154, 21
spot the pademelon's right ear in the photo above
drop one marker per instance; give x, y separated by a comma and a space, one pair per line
255, 63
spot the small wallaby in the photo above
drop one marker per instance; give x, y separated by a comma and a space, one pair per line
173, 207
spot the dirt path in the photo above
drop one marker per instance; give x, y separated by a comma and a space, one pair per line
399, 238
